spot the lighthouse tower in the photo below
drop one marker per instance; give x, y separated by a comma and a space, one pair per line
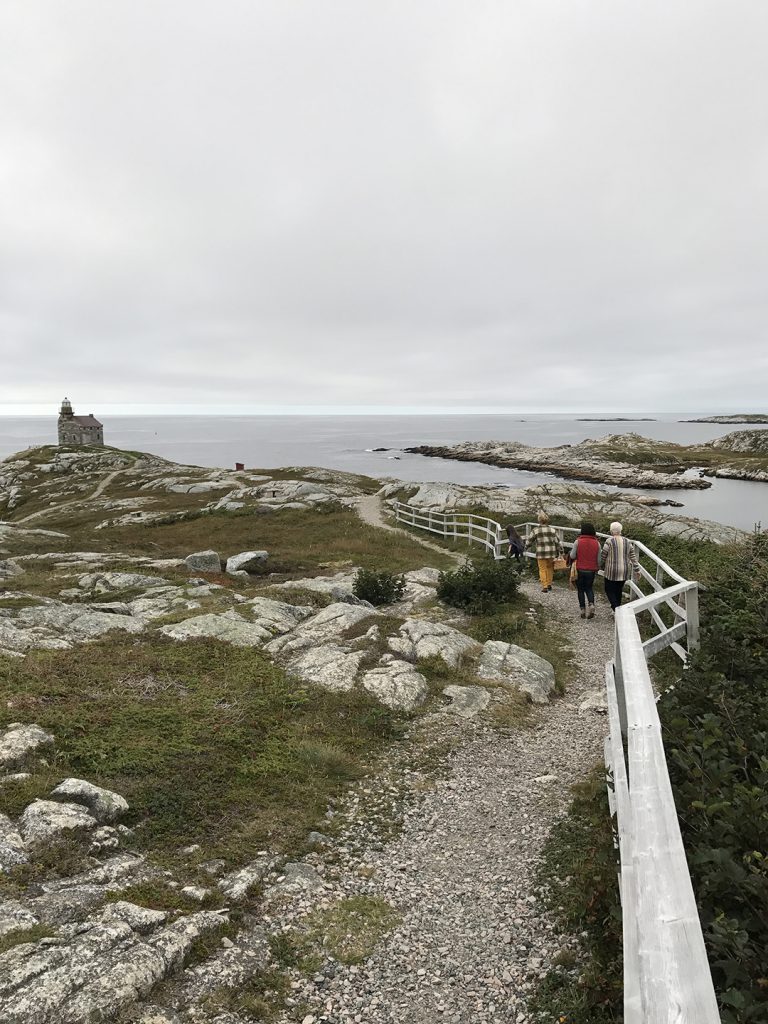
78, 429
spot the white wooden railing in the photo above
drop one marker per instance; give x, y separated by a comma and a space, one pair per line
666, 974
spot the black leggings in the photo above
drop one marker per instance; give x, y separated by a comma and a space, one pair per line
584, 584
614, 591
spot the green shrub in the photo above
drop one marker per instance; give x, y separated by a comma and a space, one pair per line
378, 587
577, 875
479, 587
715, 721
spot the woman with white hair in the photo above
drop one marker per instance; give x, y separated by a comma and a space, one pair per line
619, 562
544, 541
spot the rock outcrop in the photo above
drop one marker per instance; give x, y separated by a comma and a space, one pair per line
103, 804
19, 741
246, 561
572, 502
397, 685
515, 666
597, 461
419, 639
203, 561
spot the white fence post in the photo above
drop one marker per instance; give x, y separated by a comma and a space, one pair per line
692, 617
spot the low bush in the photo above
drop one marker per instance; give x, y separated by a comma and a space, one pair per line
378, 587
479, 587
715, 720
715, 726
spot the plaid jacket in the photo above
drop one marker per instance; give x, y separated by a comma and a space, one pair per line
544, 541
618, 558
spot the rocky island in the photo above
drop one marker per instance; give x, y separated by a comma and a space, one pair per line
625, 460
736, 418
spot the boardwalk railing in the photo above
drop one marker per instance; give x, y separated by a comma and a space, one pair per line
666, 974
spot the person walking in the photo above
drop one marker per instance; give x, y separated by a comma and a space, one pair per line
585, 555
619, 563
543, 540
516, 544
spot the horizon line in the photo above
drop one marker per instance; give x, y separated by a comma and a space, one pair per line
38, 409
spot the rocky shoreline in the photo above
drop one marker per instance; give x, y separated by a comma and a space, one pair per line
739, 418
572, 463
624, 460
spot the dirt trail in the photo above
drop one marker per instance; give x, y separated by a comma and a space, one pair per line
55, 509
370, 510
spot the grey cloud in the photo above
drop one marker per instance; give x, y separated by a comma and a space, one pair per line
533, 204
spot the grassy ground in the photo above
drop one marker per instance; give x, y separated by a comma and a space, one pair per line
299, 541
578, 874
209, 743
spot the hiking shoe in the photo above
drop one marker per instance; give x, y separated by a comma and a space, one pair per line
583, 614
591, 612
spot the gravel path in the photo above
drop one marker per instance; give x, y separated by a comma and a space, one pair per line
472, 940
370, 510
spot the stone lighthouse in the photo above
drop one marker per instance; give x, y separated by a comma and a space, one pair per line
78, 429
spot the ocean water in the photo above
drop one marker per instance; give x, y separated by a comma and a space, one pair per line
347, 443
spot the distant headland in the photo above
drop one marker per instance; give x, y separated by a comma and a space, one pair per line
749, 417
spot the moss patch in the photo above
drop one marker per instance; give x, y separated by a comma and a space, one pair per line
347, 931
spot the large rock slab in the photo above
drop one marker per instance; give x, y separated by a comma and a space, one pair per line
72, 622
70, 899
238, 884
103, 804
44, 820
9, 568
338, 587
203, 561
508, 663
276, 617
142, 920
227, 626
397, 685
18, 741
95, 975
246, 561
329, 666
103, 582
467, 701
14, 916
227, 969
419, 639
420, 586
12, 847
324, 627
16, 640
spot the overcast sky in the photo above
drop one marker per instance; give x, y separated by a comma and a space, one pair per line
533, 204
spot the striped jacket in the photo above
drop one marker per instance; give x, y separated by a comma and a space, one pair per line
618, 559
544, 541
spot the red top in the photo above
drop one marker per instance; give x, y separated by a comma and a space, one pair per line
587, 553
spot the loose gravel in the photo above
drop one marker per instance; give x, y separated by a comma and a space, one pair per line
473, 938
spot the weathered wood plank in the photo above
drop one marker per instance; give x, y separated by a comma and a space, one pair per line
663, 640
674, 978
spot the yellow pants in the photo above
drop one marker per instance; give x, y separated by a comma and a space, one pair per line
546, 571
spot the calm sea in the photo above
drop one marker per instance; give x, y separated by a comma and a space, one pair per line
346, 442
